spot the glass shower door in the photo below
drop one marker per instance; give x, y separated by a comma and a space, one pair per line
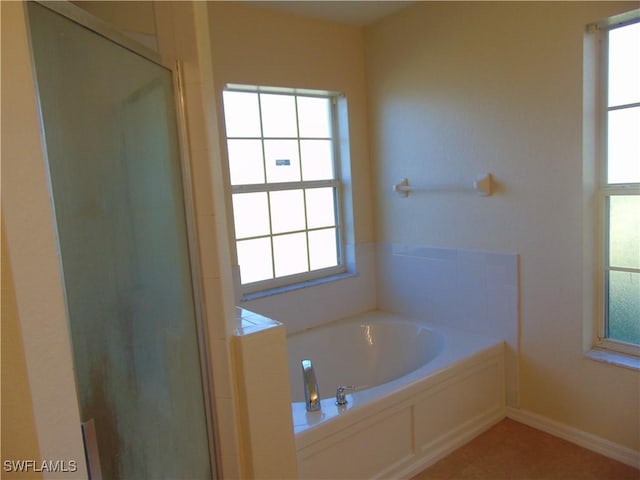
110, 132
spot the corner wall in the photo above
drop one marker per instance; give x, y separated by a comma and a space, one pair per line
456, 89
35, 284
19, 436
183, 35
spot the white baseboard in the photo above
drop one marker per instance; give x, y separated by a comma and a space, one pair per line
587, 440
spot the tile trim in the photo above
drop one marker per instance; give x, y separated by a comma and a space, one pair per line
584, 439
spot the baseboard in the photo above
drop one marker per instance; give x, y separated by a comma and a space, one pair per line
589, 441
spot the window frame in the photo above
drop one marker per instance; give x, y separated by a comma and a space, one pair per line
606, 190
298, 280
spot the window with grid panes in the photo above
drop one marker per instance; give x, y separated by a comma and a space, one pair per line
285, 187
620, 182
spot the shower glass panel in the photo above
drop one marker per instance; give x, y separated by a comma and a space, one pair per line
109, 123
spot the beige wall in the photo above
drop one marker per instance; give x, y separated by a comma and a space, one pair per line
135, 19
19, 438
456, 89
31, 249
131, 16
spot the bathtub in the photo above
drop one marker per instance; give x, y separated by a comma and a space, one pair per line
421, 391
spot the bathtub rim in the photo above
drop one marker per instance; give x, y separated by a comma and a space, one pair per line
435, 337
461, 349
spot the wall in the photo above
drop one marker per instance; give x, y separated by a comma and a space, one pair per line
183, 34
257, 46
456, 89
19, 438
134, 18
31, 247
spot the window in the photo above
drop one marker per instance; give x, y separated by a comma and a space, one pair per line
619, 184
285, 185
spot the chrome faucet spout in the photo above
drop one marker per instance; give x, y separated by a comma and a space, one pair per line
311, 393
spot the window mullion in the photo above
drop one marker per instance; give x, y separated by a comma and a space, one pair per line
306, 226
622, 269
264, 159
603, 120
273, 251
338, 193
304, 194
613, 189
624, 106
273, 187
264, 169
603, 103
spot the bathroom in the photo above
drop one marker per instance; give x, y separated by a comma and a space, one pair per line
437, 93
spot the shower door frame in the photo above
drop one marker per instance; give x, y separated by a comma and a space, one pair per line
110, 33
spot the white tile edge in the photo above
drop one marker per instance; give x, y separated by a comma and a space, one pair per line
584, 439
613, 358
432, 251
251, 322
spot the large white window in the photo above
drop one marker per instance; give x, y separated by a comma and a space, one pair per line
619, 183
283, 154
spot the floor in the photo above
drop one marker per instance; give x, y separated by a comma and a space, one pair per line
511, 450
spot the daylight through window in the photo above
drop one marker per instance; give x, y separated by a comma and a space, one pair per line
285, 186
620, 181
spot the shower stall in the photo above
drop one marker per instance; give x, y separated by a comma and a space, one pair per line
120, 193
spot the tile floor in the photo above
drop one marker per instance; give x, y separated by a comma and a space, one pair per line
511, 450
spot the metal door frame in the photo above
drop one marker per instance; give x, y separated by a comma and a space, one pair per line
109, 32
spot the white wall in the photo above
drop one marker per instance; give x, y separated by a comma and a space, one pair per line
456, 89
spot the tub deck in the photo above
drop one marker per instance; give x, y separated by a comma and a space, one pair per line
400, 427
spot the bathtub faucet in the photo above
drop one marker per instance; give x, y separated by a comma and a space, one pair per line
311, 393
341, 394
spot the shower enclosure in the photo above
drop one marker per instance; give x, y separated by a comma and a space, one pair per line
109, 126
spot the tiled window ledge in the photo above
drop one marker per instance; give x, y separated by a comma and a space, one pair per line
614, 358
249, 322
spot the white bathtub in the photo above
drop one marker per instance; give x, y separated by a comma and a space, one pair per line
422, 390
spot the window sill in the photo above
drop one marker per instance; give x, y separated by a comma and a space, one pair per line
614, 358
296, 286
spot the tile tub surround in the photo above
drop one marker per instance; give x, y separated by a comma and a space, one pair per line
324, 300
264, 416
469, 290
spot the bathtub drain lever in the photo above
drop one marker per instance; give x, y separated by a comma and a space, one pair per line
341, 394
